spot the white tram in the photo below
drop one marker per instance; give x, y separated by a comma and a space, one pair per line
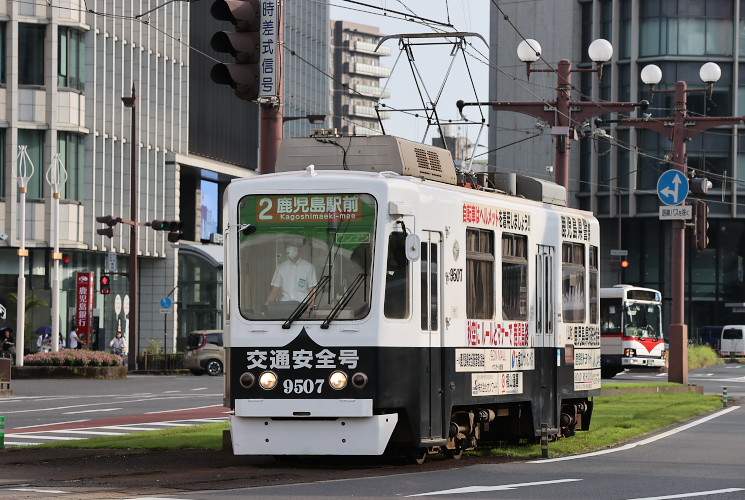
439, 311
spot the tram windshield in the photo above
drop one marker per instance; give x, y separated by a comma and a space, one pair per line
305, 256
643, 320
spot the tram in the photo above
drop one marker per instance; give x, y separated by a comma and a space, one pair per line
378, 300
631, 329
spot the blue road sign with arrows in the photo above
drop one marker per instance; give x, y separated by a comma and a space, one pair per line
672, 188
166, 302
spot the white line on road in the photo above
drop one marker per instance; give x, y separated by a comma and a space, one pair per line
188, 409
692, 494
36, 490
87, 432
90, 411
501, 487
642, 442
56, 423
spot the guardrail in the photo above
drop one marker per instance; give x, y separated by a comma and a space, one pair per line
162, 362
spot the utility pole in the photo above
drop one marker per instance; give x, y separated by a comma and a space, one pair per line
563, 114
680, 128
134, 238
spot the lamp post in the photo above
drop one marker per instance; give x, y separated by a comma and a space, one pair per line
563, 114
23, 170
134, 238
680, 128
56, 176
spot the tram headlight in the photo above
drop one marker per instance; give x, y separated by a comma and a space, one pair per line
338, 380
247, 380
268, 380
359, 380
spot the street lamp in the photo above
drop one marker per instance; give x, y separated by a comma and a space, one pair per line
56, 177
680, 129
134, 239
23, 170
563, 114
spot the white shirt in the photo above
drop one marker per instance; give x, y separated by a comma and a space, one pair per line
73, 340
295, 278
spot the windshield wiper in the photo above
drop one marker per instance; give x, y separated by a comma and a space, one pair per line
344, 300
302, 306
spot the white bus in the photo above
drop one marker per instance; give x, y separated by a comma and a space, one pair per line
630, 329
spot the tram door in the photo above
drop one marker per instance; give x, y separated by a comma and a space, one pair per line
431, 314
545, 336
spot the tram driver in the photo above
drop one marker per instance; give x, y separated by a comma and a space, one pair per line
293, 279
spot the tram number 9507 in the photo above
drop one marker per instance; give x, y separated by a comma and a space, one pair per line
302, 386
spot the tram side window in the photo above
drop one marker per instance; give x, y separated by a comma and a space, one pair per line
573, 282
514, 277
396, 304
594, 284
479, 274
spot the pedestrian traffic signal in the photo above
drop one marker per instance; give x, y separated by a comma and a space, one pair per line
242, 44
174, 228
702, 225
105, 285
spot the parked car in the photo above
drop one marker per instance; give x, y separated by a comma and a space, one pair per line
733, 341
204, 352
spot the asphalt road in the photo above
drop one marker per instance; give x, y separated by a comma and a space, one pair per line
48, 410
702, 459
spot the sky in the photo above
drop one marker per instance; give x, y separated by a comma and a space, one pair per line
432, 62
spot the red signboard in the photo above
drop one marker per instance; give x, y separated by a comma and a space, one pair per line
84, 306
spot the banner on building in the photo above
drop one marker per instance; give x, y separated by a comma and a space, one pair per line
84, 294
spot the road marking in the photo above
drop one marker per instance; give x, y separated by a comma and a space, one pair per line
642, 442
90, 411
56, 423
502, 487
189, 409
692, 494
95, 433
36, 490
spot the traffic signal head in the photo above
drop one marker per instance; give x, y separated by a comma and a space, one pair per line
242, 44
105, 285
624, 263
702, 225
174, 228
109, 221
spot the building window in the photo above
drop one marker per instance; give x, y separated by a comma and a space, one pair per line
573, 282
72, 153
2, 162
71, 72
3, 27
479, 274
31, 54
34, 140
514, 277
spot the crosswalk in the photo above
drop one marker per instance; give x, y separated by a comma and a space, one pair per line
29, 436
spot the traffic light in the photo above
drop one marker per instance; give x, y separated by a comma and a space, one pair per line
624, 264
702, 225
174, 228
242, 44
66, 258
105, 285
109, 221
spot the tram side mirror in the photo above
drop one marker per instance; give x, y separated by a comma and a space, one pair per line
246, 229
412, 247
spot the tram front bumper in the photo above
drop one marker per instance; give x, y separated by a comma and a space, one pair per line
309, 427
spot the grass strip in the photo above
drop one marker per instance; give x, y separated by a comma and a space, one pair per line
615, 420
